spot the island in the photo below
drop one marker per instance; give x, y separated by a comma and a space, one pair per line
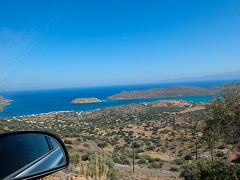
4, 102
85, 100
172, 91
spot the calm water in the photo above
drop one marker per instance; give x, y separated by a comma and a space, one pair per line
42, 101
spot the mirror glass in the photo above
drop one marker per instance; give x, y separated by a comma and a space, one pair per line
28, 154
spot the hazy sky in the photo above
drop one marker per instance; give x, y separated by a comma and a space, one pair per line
54, 43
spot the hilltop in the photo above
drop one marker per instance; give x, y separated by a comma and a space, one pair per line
172, 91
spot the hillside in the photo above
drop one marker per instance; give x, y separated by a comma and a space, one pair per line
3, 102
172, 91
165, 136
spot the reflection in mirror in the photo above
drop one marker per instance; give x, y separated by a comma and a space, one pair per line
28, 154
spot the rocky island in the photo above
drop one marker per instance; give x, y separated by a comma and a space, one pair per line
3, 102
85, 100
172, 91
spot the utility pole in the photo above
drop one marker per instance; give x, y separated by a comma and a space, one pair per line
133, 151
196, 149
196, 142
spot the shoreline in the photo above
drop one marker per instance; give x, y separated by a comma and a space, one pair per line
59, 112
4, 102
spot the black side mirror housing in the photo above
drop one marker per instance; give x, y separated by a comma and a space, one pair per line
31, 154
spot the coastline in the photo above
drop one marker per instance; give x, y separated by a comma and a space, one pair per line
155, 100
4, 102
37, 102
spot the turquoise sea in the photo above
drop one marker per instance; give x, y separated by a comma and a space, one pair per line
43, 101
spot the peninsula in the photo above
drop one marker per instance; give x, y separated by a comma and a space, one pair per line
3, 102
85, 100
172, 91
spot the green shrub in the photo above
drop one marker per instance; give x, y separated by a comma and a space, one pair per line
142, 161
147, 157
174, 169
220, 154
85, 157
102, 145
75, 158
188, 157
113, 173
69, 147
116, 159
137, 156
136, 145
79, 139
157, 159
67, 141
156, 165
222, 147
86, 145
179, 161
198, 170
124, 160
150, 148
151, 160
138, 150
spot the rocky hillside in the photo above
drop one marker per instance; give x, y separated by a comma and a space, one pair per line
172, 91
3, 102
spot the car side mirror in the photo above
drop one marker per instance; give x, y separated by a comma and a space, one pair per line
31, 154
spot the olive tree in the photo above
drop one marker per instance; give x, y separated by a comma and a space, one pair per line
225, 114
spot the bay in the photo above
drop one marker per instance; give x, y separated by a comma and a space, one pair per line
42, 101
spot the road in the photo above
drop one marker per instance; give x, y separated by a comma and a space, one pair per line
97, 149
128, 168
148, 171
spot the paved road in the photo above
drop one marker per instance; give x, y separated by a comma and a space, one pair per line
97, 149
128, 168
148, 171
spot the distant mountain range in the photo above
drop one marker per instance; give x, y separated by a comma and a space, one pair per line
235, 75
172, 91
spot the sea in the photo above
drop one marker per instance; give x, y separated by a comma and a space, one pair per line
31, 102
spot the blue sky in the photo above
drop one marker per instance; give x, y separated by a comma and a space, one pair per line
54, 44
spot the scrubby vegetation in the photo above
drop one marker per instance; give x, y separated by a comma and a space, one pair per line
208, 170
223, 123
169, 135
